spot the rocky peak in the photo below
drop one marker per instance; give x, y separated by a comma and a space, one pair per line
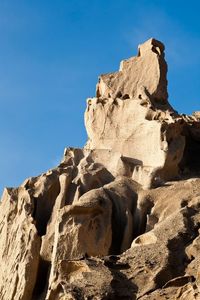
131, 116
118, 219
144, 74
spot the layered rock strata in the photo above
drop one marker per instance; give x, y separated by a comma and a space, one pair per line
120, 218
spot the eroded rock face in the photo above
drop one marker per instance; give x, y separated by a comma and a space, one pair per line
131, 115
120, 218
145, 73
19, 245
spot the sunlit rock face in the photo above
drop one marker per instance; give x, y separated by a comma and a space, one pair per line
118, 219
131, 115
146, 72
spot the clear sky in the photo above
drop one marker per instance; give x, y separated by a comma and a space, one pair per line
51, 53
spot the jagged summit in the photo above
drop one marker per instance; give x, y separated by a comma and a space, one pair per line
144, 74
118, 219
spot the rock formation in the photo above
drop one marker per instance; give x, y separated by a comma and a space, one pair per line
120, 218
131, 115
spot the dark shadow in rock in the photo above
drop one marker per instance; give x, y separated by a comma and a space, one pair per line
44, 206
190, 163
119, 218
78, 294
111, 261
122, 287
42, 279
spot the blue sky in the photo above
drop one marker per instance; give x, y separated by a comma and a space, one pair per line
51, 53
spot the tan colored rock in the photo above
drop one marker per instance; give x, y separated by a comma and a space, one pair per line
19, 246
158, 204
131, 116
87, 228
48, 239
118, 219
72, 272
145, 267
185, 292
147, 71
75, 180
82, 230
156, 147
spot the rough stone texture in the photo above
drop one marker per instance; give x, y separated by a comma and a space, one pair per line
19, 245
144, 73
131, 115
120, 218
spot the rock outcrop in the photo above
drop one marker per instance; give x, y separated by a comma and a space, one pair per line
131, 115
120, 218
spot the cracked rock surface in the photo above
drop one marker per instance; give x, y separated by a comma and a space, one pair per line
120, 218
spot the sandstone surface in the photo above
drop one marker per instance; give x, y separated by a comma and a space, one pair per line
120, 218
